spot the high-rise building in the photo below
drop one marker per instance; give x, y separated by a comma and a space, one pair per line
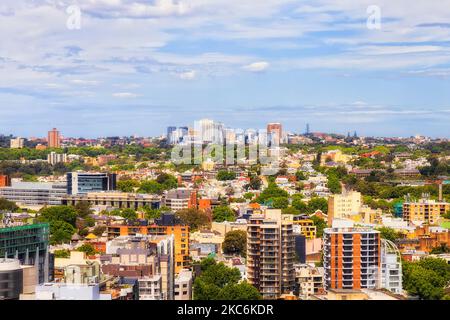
428, 211
271, 254
276, 133
170, 131
85, 182
54, 139
17, 143
209, 131
352, 258
343, 205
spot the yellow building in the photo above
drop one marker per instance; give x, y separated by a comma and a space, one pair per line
208, 165
307, 227
335, 156
428, 211
344, 205
90, 161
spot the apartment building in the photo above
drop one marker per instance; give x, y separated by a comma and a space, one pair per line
343, 205
351, 258
424, 211
148, 259
308, 280
270, 253
181, 198
183, 285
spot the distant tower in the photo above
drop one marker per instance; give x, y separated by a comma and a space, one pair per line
54, 139
355, 135
307, 129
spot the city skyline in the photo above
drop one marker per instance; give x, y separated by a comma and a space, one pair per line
159, 63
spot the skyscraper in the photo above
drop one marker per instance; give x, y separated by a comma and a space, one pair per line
276, 132
54, 138
271, 253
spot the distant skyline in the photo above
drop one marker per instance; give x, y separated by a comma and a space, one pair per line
136, 67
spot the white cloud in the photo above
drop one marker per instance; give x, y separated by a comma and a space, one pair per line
188, 75
125, 95
256, 66
85, 82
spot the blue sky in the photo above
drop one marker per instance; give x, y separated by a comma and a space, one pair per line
136, 67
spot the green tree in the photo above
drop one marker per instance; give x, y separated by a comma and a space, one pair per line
320, 225
333, 184
299, 205
62, 253
218, 281
235, 243
224, 175
290, 210
151, 187
83, 209
88, 249
239, 291
223, 213
317, 203
272, 191
426, 278
67, 214
167, 181
60, 232
98, 230
127, 185
300, 175
389, 233
280, 202
194, 218
6, 205
249, 195
129, 214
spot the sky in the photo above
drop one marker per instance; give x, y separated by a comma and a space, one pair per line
135, 67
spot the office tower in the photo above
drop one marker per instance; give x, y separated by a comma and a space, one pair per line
16, 143
209, 131
351, 258
307, 129
271, 254
170, 133
343, 205
84, 182
276, 133
54, 139
424, 210
28, 244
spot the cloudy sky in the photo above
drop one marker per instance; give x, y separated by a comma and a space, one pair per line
135, 67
